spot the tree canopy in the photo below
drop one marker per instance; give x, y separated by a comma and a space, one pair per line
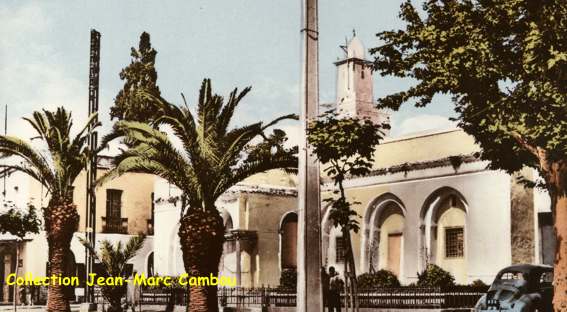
66, 155
211, 156
20, 223
502, 61
140, 75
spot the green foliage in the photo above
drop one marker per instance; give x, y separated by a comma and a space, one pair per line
140, 75
434, 276
288, 279
20, 223
479, 284
211, 157
347, 146
66, 156
114, 259
380, 278
504, 64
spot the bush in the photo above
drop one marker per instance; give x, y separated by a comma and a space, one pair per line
434, 276
381, 278
479, 284
288, 279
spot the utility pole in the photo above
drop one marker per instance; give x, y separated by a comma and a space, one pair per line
90, 213
309, 292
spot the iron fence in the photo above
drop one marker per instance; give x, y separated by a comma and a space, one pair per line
399, 297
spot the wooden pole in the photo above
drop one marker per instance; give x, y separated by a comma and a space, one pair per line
309, 292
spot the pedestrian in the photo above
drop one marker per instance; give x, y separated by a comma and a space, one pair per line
325, 284
335, 288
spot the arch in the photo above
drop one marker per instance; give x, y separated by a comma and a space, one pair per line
443, 222
377, 211
227, 221
288, 240
440, 193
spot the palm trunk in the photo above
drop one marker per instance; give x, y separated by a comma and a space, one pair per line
61, 221
201, 235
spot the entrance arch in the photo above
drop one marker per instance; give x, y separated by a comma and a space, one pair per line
443, 220
383, 235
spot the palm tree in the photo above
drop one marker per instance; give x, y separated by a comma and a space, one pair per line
210, 159
56, 169
114, 260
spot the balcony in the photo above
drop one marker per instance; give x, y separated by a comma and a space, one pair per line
115, 225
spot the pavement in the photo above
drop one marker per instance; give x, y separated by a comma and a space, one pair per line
37, 308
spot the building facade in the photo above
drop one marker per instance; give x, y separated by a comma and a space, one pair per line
428, 199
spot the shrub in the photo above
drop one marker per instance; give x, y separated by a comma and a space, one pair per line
288, 279
381, 278
478, 283
434, 276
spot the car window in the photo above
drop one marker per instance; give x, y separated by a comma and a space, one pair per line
546, 279
512, 276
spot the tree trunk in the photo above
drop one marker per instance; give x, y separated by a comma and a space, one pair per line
201, 235
61, 221
560, 268
352, 291
555, 175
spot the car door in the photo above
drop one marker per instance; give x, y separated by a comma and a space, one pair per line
546, 291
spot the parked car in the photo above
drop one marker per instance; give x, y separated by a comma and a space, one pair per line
523, 287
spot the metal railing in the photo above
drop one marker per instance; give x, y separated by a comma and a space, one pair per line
115, 225
399, 297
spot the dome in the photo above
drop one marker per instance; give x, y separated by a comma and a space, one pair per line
355, 49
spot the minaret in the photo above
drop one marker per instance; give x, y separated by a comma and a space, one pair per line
355, 96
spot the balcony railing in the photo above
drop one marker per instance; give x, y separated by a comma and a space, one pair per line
115, 225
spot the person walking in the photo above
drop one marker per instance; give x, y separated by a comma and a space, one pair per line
325, 284
335, 288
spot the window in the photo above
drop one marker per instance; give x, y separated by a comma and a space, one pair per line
546, 279
288, 234
340, 249
454, 242
512, 276
113, 204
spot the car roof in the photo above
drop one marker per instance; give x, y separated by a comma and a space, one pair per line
527, 268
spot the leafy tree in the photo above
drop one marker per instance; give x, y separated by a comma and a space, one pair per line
140, 75
504, 64
210, 159
114, 260
380, 278
434, 276
346, 146
19, 223
56, 169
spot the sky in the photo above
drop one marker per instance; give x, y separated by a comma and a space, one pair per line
45, 47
